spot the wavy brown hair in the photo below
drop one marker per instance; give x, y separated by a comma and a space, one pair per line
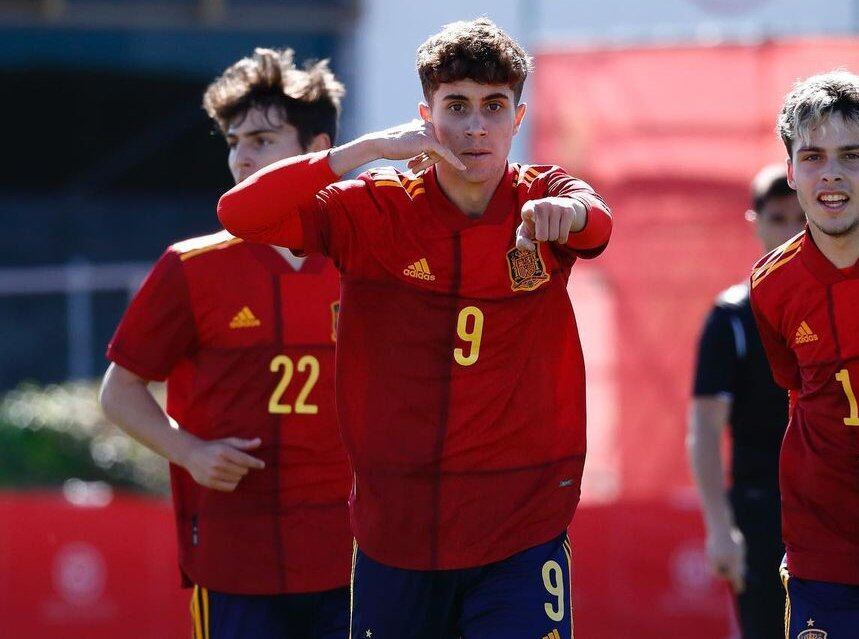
308, 98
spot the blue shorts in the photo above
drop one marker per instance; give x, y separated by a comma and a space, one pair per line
316, 615
820, 609
526, 595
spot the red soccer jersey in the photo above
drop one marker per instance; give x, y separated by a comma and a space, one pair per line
460, 381
806, 310
246, 345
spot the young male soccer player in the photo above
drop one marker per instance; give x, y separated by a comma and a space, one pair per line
244, 334
733, 384
805, 295
460, 374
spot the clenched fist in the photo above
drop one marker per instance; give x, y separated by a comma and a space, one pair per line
549, 219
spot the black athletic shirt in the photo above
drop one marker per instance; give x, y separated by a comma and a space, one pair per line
732, 363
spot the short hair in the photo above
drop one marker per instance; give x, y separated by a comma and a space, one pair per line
476, 50
308, 98
770, 182
815, 98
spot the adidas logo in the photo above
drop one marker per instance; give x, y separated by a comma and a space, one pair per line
419, 270
553, 635
244, 319
804, 334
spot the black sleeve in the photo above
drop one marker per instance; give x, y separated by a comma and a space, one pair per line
716, 369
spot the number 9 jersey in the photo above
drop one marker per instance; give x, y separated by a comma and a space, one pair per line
246, 345
806, 310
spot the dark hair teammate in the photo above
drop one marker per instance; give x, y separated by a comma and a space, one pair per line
243, 335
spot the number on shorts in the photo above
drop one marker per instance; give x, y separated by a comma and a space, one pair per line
553, 580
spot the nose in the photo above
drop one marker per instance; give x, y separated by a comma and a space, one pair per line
832, 172
243, 156
476, 126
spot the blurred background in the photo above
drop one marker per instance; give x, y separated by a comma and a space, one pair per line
666, 106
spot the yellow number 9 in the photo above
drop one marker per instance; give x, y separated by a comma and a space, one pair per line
472, 336
553, 580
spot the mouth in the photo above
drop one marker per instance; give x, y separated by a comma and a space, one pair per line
834, 200
475, 154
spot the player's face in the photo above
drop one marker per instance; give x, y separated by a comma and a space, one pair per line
477, 122
824, 170
778, 220
258, 138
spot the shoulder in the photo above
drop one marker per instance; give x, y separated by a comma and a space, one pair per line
526, 174
387, 182
211, 245
775, 268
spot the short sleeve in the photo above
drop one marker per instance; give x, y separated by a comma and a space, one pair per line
716, 367
158, 328
782, 359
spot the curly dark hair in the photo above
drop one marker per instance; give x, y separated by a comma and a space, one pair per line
476, 50
308, 98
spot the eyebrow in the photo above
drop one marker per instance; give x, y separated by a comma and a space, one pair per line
818, 149
233, 134
492, 96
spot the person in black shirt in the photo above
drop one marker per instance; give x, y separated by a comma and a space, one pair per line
734, 385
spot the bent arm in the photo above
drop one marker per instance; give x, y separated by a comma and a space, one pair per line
266, 206
126, 400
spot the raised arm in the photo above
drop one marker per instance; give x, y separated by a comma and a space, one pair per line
266, 207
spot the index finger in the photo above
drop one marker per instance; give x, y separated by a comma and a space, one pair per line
448, 156
243, 459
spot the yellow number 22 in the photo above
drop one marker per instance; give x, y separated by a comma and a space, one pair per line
306, 363
471, 336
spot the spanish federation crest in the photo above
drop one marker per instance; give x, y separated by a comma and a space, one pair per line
527, 270
812, 633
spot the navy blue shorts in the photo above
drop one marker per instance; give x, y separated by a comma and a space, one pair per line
316, 615
524, 596
820, 609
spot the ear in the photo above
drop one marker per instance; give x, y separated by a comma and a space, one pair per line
791, 182
519, 115
425, 112
320, 142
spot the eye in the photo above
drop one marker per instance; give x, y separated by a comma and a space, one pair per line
811, 157
456, 107
494, 107
851, 156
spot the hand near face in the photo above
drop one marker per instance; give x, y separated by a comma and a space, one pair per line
549, 219
415, 141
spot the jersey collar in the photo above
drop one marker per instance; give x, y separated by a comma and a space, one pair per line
500, 205
819, 264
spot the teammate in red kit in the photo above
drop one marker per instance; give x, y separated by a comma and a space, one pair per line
805, 296
244, 334
460, 377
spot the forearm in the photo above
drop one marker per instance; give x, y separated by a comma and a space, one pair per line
128, 403
266, 206
704, 450
593, 225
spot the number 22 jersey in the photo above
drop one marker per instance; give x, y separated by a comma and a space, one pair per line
246, 344
808, 315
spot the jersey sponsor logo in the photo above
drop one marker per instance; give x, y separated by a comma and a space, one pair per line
420, 270
244, 319
335, 316
527, 270
804, 334
553, 635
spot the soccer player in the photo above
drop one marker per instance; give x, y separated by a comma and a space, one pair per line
733, 384
805, 295
244, 334
460, 377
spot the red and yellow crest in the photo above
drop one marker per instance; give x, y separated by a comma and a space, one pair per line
335, 315
527, 269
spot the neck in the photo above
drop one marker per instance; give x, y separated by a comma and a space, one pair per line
471, 198
841, 250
